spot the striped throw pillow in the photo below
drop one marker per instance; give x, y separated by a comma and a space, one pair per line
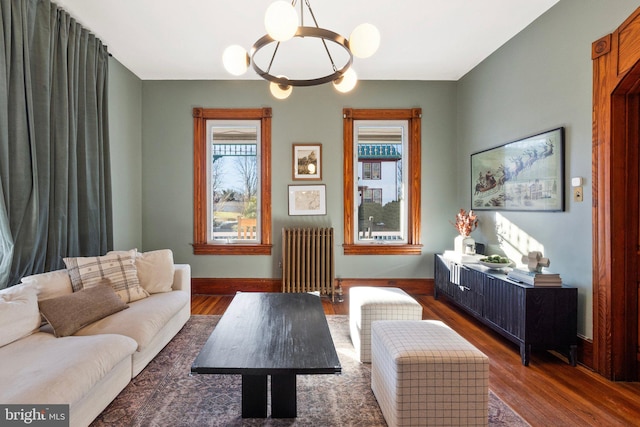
118, 267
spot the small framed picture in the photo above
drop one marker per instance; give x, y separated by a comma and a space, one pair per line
307, 200
307, 161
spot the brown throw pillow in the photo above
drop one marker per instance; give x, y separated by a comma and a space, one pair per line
69, 313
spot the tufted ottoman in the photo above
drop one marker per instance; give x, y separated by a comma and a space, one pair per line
424, 373
368, 303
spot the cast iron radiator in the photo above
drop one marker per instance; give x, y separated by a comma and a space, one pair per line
308, 260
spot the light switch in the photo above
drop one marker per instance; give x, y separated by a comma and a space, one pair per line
577, 194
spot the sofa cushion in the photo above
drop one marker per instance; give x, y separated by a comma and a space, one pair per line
142, 320
46, 369
49, 285
155, 270
119, 267
19, 314
68, 313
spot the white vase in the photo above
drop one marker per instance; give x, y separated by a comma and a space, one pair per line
464, 245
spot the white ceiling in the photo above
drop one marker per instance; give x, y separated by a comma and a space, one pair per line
420, 39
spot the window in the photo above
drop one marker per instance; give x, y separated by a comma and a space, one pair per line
371, 170
373, 195
382, 181
232, 181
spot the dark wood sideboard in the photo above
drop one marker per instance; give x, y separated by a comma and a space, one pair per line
538, 317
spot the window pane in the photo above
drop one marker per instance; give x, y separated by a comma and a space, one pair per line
380, 192
234, 180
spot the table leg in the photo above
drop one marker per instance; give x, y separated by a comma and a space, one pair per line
283, 396
254, 396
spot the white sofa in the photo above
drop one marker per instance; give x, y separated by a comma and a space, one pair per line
89, 368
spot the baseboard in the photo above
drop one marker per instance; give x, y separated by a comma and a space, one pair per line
585, 352
410, 286
229, 286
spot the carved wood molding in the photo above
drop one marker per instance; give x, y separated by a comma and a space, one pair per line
601, 47
614, 58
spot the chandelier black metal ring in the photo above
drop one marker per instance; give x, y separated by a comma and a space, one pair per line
321, 33
282, 24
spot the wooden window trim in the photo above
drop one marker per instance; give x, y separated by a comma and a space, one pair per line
413, 245
200, 244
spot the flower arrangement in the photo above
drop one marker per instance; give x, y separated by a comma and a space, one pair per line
466, 222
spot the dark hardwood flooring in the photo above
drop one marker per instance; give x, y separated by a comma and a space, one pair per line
549, 392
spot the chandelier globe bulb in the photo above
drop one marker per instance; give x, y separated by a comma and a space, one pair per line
281, 21
280, 91
364, 40
235, 60
347, 82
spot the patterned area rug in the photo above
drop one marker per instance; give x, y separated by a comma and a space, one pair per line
166, 394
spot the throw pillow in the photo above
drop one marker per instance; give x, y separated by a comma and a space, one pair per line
19, 314
155, 270
49, 285
69, 313
119, 267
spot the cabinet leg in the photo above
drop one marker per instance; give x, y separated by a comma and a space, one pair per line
573, 355
525, 353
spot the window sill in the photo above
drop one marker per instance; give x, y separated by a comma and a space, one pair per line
382, 249
231, 249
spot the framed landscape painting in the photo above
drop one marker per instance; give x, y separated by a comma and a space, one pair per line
523, 175
307, 161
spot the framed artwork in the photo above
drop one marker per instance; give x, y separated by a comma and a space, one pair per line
523, 175
307, 161
307, 200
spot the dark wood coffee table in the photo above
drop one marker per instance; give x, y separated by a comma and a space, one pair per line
276, 334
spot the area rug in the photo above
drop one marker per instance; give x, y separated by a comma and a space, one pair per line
166, 394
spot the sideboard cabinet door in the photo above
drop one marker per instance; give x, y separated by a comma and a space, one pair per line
472, 290
504, 306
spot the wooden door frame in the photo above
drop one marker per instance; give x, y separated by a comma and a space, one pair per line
616, 72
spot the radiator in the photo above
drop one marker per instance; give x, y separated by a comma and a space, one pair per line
308, 260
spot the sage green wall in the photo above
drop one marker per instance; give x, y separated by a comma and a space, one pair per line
309, 115
539, 80
125, 137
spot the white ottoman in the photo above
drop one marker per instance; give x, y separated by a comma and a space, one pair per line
424, 374
369, 303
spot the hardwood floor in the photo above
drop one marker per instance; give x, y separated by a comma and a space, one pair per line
549, 392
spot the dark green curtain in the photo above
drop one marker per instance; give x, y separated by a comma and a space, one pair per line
55, 185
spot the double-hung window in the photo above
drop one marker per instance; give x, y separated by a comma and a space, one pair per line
382, 181
232, 184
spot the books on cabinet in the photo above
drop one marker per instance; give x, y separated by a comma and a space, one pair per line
536, 279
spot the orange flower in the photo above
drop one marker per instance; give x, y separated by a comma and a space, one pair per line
465, 222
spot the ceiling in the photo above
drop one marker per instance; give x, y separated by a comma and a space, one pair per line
420, 39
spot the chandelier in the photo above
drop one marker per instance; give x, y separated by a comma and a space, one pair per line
281, 23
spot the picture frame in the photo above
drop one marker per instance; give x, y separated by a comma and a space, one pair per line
307, 200
307, 162
523, 175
